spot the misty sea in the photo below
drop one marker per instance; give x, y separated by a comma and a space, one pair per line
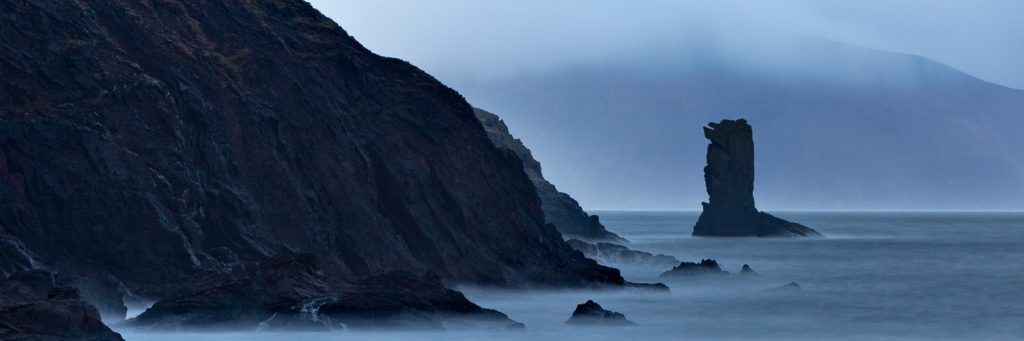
875, 275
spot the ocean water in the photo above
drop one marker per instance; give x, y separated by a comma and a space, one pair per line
876, 275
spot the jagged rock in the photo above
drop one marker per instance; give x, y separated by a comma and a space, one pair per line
559, 208
591, 313
37, 305
746, 270
705, 267
147, 144
729, 178
293, 292
609, 253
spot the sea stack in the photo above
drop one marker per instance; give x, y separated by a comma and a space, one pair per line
729, 177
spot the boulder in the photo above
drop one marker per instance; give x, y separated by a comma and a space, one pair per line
746, 270
591, 313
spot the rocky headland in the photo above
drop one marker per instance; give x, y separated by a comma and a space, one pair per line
729, 178
185, 151
560, 209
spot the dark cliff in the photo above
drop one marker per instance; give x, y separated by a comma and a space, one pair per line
729, 177
559, 208
144, 143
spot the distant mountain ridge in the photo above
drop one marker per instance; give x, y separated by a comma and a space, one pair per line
839, 127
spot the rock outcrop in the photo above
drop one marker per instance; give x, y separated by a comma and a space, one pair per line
705, 267
294, 292
615, 254
559, 208
147, 144
746, 270
729, 177
591, 313
37, 305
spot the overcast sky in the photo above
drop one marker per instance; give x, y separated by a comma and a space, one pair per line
489, 37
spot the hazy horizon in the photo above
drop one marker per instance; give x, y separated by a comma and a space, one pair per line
513, 49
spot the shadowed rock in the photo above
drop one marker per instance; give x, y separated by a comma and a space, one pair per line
729, 178
293, 292
746, 270
591, 313
146, 145
37, 305
791, 286
560, 209
612, 254
705, 267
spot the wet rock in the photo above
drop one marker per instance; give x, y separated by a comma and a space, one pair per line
294, 293
37, 305
705, 267
789, 287
591, 313
560, 209
729, 178
613, 254
746, 270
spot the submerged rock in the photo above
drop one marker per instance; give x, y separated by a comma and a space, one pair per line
292, 292
591, 313
746, 270
37, 305
791, 286
613, 254
705, 267
560, 209
729, 178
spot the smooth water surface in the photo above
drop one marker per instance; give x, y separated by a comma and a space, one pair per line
892, 275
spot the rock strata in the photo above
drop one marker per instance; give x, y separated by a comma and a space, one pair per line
729, 178
38, 305
614, 254
559, 208
705, 267
591, 313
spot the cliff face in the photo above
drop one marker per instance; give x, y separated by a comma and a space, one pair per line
559, 208
729, 177
142, 143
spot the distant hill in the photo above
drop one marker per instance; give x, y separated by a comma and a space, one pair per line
837, 127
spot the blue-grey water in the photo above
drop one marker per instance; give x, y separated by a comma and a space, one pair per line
891, 275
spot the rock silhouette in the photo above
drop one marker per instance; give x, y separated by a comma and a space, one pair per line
729, 178
705, 267
559, 208
591, 313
